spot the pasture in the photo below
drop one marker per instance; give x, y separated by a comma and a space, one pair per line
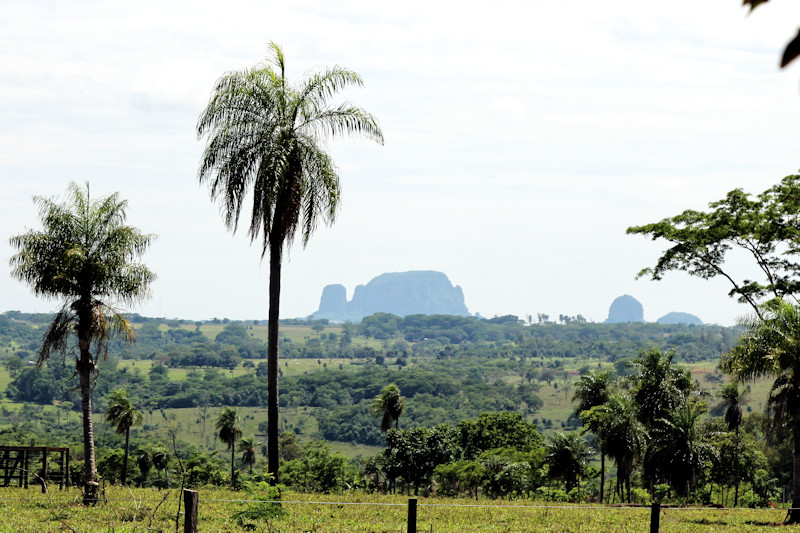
128, 510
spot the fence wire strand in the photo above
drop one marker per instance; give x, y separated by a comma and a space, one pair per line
419, 504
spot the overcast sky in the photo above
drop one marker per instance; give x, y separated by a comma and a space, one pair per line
522, 139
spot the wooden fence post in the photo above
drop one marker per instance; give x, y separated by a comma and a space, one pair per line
412, 515
44, 469
655, 511
190, 500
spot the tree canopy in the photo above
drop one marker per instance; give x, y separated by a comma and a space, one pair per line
766, 227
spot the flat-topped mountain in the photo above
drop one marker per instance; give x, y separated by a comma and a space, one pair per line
399, 293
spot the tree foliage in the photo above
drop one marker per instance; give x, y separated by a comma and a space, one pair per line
765, 227
771, 346
389, 405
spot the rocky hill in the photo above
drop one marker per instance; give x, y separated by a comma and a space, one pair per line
680, 318
399, 293
625, 308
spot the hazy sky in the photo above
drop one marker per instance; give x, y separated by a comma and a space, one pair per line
522, 139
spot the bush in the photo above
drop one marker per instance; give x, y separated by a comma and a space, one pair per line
550, 494
265, 509
319, 470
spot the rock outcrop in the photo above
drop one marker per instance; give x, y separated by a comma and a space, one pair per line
680, 318
626, 308
399, 293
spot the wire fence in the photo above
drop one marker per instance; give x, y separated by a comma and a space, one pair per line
167, 508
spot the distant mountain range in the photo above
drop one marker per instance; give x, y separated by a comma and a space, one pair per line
626, 308
429, 292
399, 293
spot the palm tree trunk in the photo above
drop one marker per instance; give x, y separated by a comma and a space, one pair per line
275, 256
736, 472
794, 513
85, 368
233, 459
125, 460
602, 475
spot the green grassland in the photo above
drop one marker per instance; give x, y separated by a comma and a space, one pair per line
289, 367
128, 510
295, 334
5, 379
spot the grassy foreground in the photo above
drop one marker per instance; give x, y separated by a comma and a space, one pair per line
148, 510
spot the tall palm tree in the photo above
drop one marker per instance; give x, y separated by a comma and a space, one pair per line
770, 346
593, 389
265, 137
86, 256
732, 399
229, 430
124, 415
390, 405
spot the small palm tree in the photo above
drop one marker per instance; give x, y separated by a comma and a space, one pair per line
592, 390
390, 405
145, 463
247, 446
85, 256
568, 455
124, 415
678, 449
733, 397
161, 462
622, 434
265, 136
229, 430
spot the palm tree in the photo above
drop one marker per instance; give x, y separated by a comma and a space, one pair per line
567, 455
770, 346
592, 390
124, 415
265, 137
622, 434
145, 463
85, 256
732, 399
229, 430
248, 446
678, 450
161, 462
390, 405
659, 386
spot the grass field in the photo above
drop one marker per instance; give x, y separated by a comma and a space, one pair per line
152, 510
5, 379
296, 334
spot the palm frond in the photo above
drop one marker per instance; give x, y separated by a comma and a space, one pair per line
57, 334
